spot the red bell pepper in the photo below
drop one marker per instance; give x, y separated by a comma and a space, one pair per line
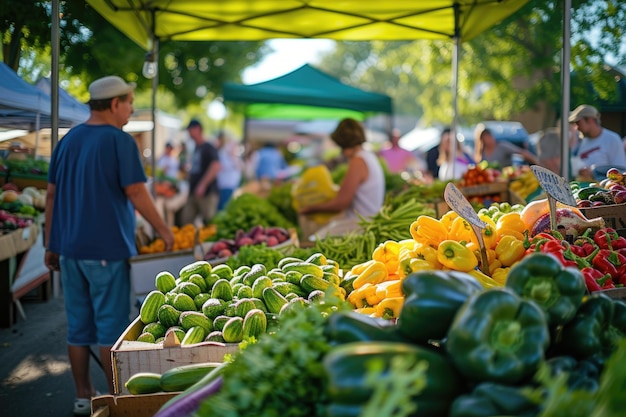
586, 243
611, 262
608, 238
596, 280
580, 261
557, 249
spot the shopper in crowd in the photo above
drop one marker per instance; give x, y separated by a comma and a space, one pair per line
168, 163
549, 147
397, 158
269, 162
229, 176
448, 169
599, 147
362, 189
432, 155
183, 161
501, 152
95, 183
203, 191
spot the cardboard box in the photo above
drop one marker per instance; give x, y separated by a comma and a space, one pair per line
501, 188
24, 239
144, 268
146, 405
129, 356
614, 215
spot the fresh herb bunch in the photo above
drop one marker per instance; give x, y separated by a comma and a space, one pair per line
245, 212
282, 374
261, 254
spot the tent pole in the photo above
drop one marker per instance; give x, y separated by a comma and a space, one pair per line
565, 81
155, 86
54, 79
456, 53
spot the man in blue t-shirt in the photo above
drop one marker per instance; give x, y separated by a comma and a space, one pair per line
96, 182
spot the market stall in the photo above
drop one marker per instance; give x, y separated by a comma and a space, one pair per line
524, 270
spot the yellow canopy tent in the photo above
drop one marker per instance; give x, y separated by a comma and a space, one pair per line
148, 22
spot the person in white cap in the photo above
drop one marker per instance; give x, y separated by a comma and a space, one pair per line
600, 147
96, 181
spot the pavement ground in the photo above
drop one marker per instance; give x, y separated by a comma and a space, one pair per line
35, 375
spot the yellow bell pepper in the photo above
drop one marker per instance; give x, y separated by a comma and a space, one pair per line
456, 256
388, 253
448, 218
485, 280
366, 310
364, 296
428, 230
510, 250
462, 231
500, 274
510, 224
389, 289
494, 266
374, 273
358, 268
489, 232
429, 254
390, 308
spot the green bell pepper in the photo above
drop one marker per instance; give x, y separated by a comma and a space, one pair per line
432, 298
350, 326
490, 399
347, 367
558, 290
595, 330
498, 336
581, 375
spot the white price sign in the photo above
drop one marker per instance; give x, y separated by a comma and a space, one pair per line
554, 185
457, 202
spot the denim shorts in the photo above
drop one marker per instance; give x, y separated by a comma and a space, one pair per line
97, 300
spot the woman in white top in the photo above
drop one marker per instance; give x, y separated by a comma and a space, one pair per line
451, 171
362, 190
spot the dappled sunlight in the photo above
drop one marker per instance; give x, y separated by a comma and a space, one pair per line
33, 368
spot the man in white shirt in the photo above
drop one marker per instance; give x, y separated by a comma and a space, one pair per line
599, 147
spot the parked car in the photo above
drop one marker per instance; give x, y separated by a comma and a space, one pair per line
510, 131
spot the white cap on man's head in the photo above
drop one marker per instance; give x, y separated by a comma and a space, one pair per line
582, 111
109, 87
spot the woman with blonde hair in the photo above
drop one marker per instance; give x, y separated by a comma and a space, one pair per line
362, 190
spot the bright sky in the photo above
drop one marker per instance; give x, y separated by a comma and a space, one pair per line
289, 55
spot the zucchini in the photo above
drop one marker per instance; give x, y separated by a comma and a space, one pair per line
182, 377
273, 300
193, 335
150, 306
233, 330
254, 324
144, 383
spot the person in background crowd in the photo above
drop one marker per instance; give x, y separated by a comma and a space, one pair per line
600, 147
488, 149
269, 163
432, 156
203, 191
183, 161
362, 190
168, 163
95, 183
549, 147
229, 176
462, 160
397, 158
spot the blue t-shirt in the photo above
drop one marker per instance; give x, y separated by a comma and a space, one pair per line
93, 218
270, 163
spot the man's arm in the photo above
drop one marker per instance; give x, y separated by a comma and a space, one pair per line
208, 177
142, 201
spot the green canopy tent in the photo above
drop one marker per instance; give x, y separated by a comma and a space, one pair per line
148, 22
305, 94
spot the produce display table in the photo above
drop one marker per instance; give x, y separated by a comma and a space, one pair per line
20, 270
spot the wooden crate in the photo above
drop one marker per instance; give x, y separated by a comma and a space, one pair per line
614, 215
129, 356
146, 405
